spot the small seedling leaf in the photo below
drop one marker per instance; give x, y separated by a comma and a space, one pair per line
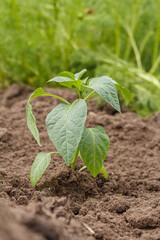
67, 84
66, 81
67, 74
61, 79
104, 172
105, 87
94, 146
125, 93
31, 121
39, 165
65, 125
80, 74
84, 81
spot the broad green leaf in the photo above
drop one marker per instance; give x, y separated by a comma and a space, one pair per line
124, 91
104, 172
39, 165
105, 87
94, 146
65, 125
31, 121
80, 74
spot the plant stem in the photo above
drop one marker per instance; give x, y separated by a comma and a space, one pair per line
117, 33
135, 9
86, 98
80, 94
54, 153
134, 46
117, 29
154, 66
73, 163
157, 38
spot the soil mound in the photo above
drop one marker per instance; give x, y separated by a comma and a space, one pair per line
67, 204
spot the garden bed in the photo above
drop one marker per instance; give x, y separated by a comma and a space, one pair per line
67, 204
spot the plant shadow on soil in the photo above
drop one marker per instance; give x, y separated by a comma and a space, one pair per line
67, 204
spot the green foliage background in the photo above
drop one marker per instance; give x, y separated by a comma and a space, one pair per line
121, 39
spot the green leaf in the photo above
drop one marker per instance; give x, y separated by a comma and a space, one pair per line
64, 78
31, 121
84, 81
104, 172
67, 84
66, 81
41, 92
61, 79
65, 125
67, 74
94, 146
39, 165
80, 74
105, 87
124, 91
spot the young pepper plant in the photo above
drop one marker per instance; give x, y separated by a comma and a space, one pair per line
66, 124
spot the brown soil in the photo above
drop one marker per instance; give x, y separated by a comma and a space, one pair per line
67, 204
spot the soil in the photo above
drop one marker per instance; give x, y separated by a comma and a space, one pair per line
67, 204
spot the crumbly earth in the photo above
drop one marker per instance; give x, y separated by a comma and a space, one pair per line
67, 204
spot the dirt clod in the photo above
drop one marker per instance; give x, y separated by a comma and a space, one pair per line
143, 218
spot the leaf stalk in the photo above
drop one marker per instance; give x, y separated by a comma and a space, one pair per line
86, 98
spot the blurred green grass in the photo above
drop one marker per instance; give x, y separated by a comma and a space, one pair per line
121, 39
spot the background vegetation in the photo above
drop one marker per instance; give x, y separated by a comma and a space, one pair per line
118, 38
